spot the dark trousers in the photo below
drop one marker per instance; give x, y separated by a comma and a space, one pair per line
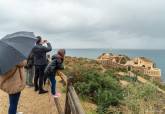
45, 79
13, 100
39, 75
53, 84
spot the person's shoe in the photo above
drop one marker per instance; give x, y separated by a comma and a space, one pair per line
35, 89
31, 85
57, 95
42, 91
19, 112
27, 86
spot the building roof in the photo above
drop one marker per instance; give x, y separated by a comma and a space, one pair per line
146, 59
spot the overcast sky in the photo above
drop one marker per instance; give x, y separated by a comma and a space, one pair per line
88, 23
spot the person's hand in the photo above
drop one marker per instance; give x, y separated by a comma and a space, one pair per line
45, 41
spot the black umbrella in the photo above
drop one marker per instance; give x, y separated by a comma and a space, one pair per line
15, 48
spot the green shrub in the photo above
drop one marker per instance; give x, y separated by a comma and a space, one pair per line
101, 88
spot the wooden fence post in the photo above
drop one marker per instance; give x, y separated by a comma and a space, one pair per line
67, 105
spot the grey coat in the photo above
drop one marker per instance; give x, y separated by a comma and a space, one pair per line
39, 52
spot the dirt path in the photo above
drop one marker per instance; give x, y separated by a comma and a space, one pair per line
31, 102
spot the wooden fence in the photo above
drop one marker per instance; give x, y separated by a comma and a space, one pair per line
72, 102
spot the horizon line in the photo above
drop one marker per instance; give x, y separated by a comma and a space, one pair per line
115, 48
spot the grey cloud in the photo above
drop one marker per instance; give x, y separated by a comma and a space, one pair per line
88, 23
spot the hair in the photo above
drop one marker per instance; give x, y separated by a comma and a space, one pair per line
38, 39
61, 52
48, 55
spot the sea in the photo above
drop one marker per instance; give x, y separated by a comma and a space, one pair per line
158, 56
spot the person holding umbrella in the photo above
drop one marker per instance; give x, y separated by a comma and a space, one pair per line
14, 50
40, 63
13, 82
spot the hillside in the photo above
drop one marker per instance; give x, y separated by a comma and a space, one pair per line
113, 90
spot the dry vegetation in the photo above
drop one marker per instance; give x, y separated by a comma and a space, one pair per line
138, 98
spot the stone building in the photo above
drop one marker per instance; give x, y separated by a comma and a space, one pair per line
141, 64
119, 59
147, 66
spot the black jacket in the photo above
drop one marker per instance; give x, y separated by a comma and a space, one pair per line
54, 65
39, 52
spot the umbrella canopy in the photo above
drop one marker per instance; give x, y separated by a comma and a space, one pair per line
15, 48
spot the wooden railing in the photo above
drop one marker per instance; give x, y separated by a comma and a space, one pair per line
72, 102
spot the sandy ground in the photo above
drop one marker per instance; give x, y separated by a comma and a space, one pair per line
31, 102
